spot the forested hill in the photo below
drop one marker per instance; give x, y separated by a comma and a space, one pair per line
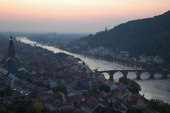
150, 36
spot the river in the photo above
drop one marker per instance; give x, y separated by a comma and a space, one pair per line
151, 89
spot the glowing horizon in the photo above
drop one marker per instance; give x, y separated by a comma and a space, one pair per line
74, 15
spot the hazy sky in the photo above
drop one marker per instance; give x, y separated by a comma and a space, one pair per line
74, 15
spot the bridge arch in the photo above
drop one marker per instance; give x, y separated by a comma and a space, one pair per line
132, 75
145, 75
158, 75
168, 76
106, 75
117, 75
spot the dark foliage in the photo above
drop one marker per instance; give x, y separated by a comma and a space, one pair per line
134, 111
3, 110
60, 88
105, 88
159, 106
149, 36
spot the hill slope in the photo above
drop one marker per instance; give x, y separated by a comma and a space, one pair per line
150, 36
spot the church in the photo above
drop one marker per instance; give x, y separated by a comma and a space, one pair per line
11, 64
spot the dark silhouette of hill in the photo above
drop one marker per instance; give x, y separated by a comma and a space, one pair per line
150, 36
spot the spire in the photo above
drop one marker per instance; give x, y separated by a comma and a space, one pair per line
106, 29
11, 49
10, 37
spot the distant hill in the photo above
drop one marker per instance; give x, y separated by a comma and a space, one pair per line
150, 36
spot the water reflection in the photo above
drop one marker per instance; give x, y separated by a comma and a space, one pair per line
158, 76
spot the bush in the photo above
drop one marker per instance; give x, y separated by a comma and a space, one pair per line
159, 106
134, 111
3, 110
38, 107
105, 88
61, 88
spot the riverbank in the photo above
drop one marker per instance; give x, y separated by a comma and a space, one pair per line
127, 61
105, 54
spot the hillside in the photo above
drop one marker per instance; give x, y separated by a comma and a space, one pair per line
150, 36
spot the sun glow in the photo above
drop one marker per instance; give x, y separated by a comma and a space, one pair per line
79, 10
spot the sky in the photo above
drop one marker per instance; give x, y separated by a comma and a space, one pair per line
74, 16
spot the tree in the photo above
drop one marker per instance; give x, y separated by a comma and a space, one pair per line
105, 88
92, 92
134, 111
160, 106
1, 93
29, 80
89, 93
94, 89
8, 92
61, 88
38, 107
3, 110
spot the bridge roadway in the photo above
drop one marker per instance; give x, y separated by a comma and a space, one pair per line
164, 73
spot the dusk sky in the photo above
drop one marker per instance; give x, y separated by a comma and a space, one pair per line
76, 16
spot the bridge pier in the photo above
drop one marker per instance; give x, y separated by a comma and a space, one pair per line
165, 74
138, 77
151, 75
111, 76
125, 73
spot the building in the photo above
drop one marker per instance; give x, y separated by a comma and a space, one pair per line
158, 59
143, 58
9, 78
81, 87
11, 64
124, 53
11, 49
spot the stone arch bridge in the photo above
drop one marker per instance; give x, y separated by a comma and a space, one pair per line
164, 73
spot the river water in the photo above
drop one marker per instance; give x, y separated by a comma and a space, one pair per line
151, 89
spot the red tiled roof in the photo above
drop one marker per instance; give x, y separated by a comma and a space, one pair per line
78, 110
92, 102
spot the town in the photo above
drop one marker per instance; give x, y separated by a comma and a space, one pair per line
121, 57
33, 79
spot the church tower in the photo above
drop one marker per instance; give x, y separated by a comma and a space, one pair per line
11, 49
